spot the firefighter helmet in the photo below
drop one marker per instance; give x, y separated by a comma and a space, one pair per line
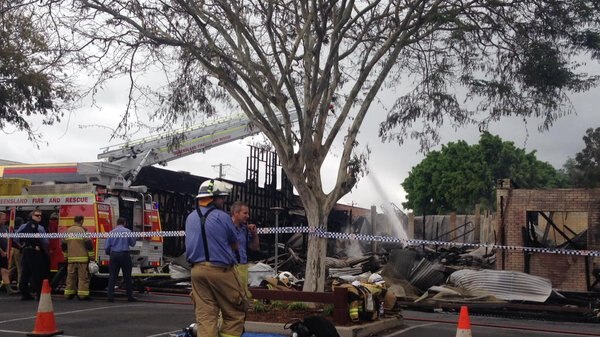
214, 188
93, 267
287, 278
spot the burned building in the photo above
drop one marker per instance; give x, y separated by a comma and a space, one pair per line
555, 222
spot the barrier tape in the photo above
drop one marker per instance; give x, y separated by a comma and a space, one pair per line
320, 232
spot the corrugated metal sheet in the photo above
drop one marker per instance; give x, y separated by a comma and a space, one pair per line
503, 284
425, 274
400, 263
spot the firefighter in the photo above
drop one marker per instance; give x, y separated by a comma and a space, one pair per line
210, 241
78, 252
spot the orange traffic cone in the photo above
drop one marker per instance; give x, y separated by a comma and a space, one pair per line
44, 321
464, 324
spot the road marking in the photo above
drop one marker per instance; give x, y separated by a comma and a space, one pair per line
69, 312
164, 333
26, 333
397, 333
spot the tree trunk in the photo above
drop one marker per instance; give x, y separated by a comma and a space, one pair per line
314, 280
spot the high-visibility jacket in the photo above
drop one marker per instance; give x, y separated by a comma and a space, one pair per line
363, 300
77, 249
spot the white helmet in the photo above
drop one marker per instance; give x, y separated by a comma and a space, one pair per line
376, 279
214, 188
93, 267
287, 278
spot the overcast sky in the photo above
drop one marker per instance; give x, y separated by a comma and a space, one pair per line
78, 138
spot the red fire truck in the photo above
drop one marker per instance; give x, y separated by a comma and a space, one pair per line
100, 203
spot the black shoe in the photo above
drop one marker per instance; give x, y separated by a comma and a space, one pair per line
111, 300
84, 298
132, 299
70, 297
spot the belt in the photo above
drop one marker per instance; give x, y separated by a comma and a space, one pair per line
209, 264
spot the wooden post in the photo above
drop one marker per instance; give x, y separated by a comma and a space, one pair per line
411, 226
477, 224
373, 227
454, 233
341, 315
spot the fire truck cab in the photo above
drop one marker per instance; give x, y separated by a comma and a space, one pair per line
100, 199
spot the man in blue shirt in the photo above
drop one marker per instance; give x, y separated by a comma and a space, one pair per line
118, 249
210, 243
247, 239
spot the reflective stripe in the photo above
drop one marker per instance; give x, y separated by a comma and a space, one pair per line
82, 293
77, 259
69, 292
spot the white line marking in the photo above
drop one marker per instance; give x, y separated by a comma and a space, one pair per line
69, 312
25, 333
165, 333
397, 333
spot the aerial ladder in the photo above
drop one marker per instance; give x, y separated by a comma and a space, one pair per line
134, 155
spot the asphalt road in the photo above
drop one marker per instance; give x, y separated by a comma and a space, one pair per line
157, 315
422, 324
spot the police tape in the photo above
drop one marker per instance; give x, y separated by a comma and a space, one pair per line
317, 231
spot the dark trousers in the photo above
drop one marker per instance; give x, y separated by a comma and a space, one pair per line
34, 266
119, 261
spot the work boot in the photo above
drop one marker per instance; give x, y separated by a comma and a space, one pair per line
84, 298
132, 299
70, 297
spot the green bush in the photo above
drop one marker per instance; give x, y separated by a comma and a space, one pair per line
259, 306
298, 306
328, 309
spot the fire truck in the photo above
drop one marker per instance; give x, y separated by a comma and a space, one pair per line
103, 191
24, 188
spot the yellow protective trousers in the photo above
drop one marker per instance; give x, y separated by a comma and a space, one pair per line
217, 288
78, 280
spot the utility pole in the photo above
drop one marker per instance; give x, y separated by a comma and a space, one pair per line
221, 174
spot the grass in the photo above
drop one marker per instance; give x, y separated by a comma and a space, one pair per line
298, 306
259, 306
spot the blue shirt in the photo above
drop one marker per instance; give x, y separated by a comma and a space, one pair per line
243, 237
114, 245
220, 235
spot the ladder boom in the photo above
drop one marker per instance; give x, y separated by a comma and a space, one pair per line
132, 156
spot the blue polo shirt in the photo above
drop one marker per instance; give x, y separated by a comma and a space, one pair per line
117, 245
220, 235
243, 237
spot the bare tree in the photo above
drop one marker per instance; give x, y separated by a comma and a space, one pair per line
327, 60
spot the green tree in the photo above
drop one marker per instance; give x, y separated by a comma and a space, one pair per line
328, 60
31, 78
584, 170
460, 175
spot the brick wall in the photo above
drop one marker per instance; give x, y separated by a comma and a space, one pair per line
566, 272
